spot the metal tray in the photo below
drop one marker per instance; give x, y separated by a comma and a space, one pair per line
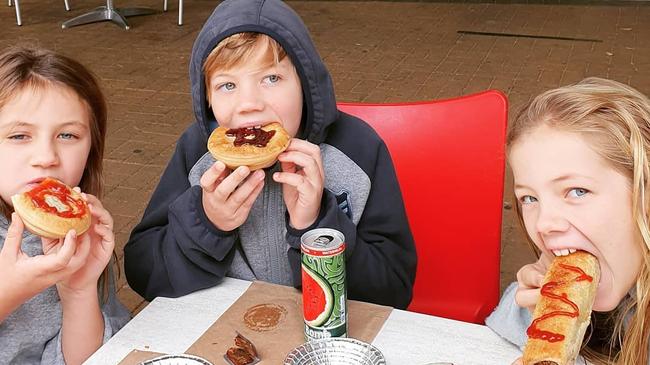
177, 360
335, 351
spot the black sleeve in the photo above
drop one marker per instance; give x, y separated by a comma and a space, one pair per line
175, 249
380, 251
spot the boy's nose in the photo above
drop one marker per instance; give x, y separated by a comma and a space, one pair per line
250, 100
551, 220
45, 155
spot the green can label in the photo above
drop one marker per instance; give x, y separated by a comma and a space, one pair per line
323, 284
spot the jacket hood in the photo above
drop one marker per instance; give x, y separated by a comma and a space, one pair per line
277, 20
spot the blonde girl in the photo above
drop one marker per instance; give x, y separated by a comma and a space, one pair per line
53, 124
580, 161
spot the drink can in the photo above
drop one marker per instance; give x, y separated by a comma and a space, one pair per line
323, 284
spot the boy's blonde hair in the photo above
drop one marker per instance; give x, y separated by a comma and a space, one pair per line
615, 119
240, 48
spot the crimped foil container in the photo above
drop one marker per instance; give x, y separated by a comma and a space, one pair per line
335, 351
177, 360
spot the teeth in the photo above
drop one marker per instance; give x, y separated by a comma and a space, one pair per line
560, 252
564, 252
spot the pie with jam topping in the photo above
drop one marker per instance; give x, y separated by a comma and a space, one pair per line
51, 209
255, 147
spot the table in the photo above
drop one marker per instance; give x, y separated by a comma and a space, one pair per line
171, 326
108, 12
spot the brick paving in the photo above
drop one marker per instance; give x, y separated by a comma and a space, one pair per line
376, 52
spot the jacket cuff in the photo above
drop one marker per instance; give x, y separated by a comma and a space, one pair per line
197, 195
293, 234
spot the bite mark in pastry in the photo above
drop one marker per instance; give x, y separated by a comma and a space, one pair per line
562, 314
51, 209
255, 147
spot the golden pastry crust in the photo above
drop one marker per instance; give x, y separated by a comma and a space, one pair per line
222, 147
48, 224
555, 336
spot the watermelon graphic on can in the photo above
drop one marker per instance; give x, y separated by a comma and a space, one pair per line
323, 284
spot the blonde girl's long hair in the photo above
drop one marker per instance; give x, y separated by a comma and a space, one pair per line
24, 68
615, 119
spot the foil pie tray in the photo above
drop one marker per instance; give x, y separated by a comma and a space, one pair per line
335, 351
176, 360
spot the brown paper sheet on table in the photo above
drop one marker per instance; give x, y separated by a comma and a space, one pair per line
272, 340
136, 357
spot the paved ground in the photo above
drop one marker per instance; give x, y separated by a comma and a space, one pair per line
376, 51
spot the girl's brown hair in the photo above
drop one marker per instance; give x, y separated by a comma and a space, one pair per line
615, 118
35, 68
23, 68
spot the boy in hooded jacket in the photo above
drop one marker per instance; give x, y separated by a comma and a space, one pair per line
253, 63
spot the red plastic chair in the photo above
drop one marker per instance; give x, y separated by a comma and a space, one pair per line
449, 158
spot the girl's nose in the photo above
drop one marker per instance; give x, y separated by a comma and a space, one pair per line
551, 220
45, 155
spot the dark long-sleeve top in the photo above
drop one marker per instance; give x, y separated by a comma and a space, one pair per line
176, 250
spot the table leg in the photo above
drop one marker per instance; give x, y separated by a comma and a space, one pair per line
19, 20
108, 12
180, 12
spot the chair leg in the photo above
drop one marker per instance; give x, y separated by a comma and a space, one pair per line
19, 20
180, 12
67, 5
164, 5
9, 3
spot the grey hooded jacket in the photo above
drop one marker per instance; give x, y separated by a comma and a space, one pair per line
32, 333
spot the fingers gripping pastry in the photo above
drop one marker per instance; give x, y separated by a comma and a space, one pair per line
51, 209
254, 147
562, 314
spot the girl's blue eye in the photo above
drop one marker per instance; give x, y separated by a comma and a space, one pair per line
19, 137
67, 135
271, 79
228, 86
527, 199
578, 192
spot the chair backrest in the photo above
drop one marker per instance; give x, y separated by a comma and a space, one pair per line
449, 156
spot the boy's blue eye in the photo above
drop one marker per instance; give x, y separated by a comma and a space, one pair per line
228, 86
578, 192
527, 199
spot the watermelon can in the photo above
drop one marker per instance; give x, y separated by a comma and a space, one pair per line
323, 284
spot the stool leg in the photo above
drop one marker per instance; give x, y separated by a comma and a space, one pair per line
180, 12
67, 5
164, 5
18, 18
9, 3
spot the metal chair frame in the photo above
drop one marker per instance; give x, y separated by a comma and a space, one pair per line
102, 13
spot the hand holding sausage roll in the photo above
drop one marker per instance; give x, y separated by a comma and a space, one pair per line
562, 314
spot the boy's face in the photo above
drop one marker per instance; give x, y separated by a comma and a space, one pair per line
43, 133
250, 94
572, 199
